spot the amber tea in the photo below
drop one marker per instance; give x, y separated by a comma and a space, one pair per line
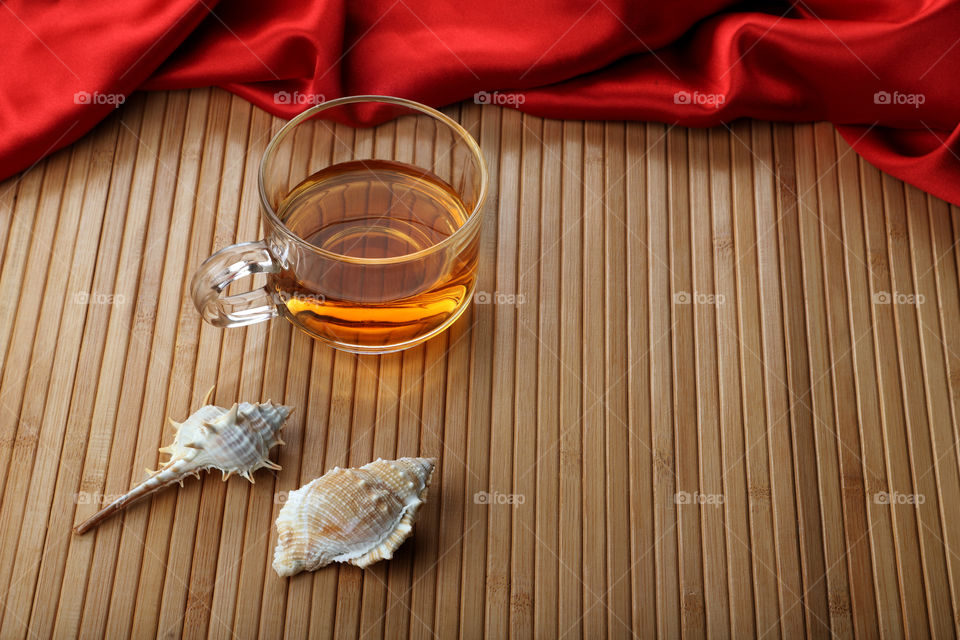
370, 255
375, 216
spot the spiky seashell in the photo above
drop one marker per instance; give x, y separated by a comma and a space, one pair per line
236, 440
358, 515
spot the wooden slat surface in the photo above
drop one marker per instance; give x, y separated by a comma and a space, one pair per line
709, 363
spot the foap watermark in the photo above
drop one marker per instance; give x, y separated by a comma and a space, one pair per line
286, 297
897, 98
298, 97
503, 99
696, 297
498, 297
95, 97
95, 297
95, 498
714, 100
486, 497
685, 497
895, 297
895, 497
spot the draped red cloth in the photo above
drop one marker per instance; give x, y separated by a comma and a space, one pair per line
885, 72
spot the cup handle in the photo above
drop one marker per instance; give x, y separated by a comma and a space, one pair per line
223, 268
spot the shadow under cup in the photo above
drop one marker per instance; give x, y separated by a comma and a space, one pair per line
371, 210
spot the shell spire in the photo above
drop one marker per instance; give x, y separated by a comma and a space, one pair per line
235, 441
359, 516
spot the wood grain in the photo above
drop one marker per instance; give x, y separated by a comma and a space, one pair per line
712, 390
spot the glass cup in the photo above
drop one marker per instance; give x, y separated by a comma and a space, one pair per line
371, 232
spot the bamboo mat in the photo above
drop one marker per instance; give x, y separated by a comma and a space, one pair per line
712, 389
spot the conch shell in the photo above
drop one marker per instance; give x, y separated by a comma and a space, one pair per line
358, 515
236, 440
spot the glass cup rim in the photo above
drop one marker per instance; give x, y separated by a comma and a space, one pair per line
306, 114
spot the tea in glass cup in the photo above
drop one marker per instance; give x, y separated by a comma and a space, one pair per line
372, 232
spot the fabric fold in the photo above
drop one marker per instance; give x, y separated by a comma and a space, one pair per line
884, 72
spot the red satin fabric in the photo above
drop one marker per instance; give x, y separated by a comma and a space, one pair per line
885, 71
